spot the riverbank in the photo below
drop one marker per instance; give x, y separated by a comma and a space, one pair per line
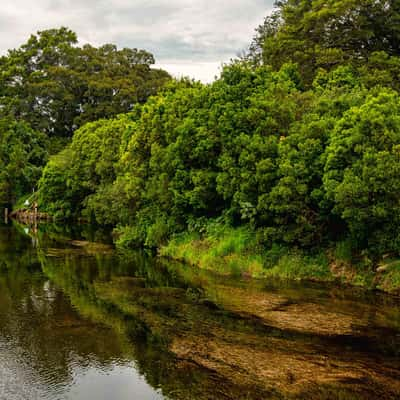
29, 215
26, 211
185, 333
235, 252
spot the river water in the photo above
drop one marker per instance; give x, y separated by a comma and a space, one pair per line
80, 321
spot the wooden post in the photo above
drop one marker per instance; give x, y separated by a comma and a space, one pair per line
6, 215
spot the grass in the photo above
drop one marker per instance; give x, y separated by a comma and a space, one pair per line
224, 250
390, 279
235, 251
20, 204
297, 266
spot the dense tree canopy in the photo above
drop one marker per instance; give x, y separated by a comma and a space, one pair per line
299, 141
324, 34
53, 86
252, 148
361, 171
86, 166
57, 86
23, 153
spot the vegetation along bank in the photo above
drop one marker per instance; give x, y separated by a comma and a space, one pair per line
287, 165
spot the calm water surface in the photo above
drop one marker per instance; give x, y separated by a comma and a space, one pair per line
80, 321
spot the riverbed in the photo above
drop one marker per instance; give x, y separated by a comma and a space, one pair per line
79, 320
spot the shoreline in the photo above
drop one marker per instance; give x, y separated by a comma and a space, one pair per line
231, 252
27, 215
290, 265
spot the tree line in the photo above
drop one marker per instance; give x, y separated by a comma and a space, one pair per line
299, 139
49, 87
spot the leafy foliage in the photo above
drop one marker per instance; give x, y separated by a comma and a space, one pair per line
361, 170
298, 144
72, 178
57, 86
54, 86
325, 34
23, 153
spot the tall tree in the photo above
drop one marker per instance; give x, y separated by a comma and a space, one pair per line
57, 86
326, 33
23, 153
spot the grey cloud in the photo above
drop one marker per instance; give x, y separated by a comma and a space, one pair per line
187, 30
174, 47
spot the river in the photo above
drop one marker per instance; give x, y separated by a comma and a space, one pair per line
80, 321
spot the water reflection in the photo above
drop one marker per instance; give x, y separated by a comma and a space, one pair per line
47, 350
79, 321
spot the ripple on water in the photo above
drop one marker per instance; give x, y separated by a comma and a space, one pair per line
77, 327
17, 380
20, 381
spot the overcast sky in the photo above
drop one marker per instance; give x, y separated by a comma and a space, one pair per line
187, 37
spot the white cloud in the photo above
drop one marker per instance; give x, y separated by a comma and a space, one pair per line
188, 37
202, 71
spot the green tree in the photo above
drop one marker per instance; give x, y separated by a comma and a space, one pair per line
324, 34
71, 179
57, 86
55, 193
23, 153
361, 172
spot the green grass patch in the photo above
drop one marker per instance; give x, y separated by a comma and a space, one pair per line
222, 249
20, 204
235, 251
389, 280
297, 266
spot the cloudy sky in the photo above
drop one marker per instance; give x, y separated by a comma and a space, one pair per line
187, 37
